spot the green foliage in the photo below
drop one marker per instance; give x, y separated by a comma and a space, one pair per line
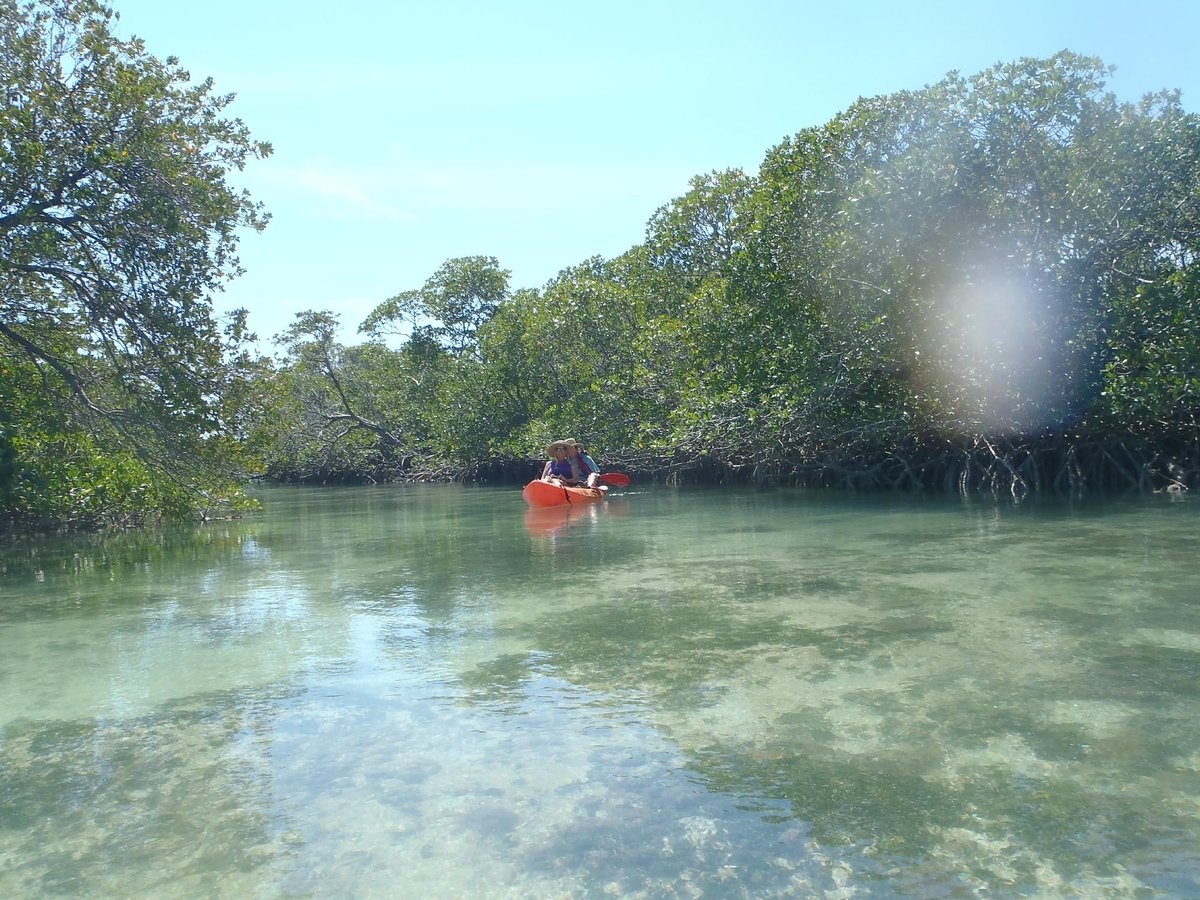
65, 481
1152, 379
116, 223
460, 298
343, 411
53, 477
1006, 256
700, 233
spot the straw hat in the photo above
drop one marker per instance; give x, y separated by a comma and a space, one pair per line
565, 443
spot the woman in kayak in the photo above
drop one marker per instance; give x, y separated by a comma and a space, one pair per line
561, 467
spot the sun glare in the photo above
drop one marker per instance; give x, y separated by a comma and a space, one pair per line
993, 354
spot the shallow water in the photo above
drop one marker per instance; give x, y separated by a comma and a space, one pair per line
431, 691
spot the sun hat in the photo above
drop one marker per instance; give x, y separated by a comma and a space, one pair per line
564, 443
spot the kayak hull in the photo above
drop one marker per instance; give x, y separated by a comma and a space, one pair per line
543, 493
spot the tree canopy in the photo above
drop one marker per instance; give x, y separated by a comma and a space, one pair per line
117, 222
983, 283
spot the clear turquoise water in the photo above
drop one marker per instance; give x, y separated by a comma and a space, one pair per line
432, 692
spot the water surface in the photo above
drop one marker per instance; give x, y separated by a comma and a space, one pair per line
431, 691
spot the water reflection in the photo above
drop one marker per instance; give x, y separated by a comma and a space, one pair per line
545, 521
550, 521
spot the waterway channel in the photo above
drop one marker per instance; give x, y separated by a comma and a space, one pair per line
431, 691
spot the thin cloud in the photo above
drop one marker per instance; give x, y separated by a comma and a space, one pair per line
342, 193
403, 189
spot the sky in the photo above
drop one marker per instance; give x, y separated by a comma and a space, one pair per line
410, 133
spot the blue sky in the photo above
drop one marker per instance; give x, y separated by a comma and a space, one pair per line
409, 133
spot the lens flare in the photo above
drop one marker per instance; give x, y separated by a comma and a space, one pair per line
994, 353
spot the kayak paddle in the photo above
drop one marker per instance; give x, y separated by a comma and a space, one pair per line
615, 478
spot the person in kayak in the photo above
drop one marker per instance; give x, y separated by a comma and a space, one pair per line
587, 465
560, 467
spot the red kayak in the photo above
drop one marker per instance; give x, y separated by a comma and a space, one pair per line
545, 493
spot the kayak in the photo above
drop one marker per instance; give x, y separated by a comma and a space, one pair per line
543, 493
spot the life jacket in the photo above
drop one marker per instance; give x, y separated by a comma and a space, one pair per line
587, 462
564, 469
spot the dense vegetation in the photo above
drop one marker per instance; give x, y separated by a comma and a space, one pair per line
119, 392
990, 283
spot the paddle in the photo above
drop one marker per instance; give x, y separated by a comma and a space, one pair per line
615, 478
